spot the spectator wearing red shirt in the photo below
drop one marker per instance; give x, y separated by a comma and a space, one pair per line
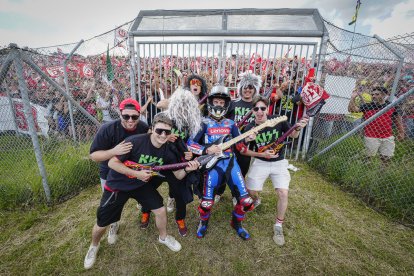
378, 135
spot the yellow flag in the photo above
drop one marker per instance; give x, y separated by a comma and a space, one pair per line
355, 16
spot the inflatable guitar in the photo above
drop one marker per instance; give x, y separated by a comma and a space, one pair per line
228, 144
203, 160
313, 96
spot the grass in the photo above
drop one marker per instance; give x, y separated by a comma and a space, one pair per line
67, 166
388, 189
327, 230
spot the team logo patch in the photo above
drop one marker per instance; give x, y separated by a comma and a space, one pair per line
206, 204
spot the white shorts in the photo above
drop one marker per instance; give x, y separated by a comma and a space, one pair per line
260, 170
385, 146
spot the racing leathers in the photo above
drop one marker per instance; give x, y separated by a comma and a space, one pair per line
225, 169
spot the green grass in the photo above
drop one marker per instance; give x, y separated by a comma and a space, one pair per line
68, 171
388, 189
327, 231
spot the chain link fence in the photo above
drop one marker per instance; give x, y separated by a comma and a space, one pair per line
70, 93
366, 154
52, 101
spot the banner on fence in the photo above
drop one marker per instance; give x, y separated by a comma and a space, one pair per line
340, 88
9, 114
84, 70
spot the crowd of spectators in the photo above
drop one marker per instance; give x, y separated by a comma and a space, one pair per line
100, 98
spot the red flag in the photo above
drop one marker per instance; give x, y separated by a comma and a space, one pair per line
256, 58
85, 70
310, 76
264, 66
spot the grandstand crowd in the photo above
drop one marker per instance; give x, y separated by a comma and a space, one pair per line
100, 97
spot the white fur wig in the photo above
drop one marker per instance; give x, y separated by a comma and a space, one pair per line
184, 111
248, 78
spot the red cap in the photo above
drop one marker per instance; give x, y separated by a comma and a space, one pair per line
130, 101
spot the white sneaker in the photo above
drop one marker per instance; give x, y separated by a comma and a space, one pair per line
113, 233
217, 199
292, 168
170, 204
171, 243
90, 257
257, 202
278, 236
234, 201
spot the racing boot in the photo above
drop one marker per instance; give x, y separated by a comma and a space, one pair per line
241, 232
202, 228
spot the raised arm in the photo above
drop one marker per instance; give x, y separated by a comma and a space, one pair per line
352, 106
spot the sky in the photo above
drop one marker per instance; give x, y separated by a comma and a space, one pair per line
39, 23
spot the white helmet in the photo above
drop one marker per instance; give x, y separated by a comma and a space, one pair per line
218, 91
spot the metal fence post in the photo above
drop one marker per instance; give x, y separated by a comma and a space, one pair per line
321, 59
29, 116
400, 65
6, 65
132, 63
65, 74
139, 72
9, 99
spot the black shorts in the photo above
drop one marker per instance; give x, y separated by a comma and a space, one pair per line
112, 203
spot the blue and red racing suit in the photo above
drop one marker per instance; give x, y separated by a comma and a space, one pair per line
225, 169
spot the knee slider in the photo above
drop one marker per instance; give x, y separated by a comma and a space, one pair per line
205, 208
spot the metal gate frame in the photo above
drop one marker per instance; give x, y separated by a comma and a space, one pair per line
141, 28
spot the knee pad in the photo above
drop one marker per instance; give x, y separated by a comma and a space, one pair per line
205, 208
247, 203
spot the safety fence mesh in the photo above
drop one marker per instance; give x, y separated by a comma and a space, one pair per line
365, 75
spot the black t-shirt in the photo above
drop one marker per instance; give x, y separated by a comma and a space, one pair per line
267, 136
238, 109
152, 107
110, 135
143, 152
183, 134
181, 143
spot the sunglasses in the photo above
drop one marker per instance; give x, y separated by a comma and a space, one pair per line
195, 82
262, 108
248, 86
159, 131
126, 117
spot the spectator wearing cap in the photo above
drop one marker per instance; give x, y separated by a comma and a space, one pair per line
125, 183
109, 141
378, 135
